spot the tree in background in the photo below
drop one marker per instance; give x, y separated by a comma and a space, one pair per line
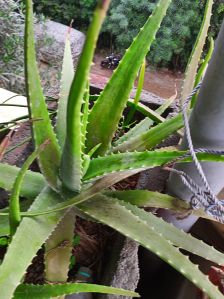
175, 38
63, 11
11, 42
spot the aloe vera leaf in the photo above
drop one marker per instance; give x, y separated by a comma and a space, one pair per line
49, 160
67, 76
58, 249
146, 111
151, 199
135, 160
114, 97
31, 234
71, 164
202, 69
4, 221
143, 125
176, 236
124, 221
195, 56
14, 204
166, 104
141, 80
152, 137
130, 160
32, 185
46, 291
85, 116
95, 188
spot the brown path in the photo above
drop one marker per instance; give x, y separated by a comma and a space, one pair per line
159, 82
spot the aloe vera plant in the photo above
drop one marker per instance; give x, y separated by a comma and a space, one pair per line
81, 161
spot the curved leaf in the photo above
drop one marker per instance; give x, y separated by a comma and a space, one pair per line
47, 291
112, 213
178, 237
31, 234
66, 81
32, 185
114, 97
49, 160
71, 163
192, 66
151, 199
152, 137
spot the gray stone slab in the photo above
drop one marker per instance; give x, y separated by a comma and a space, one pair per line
53, 35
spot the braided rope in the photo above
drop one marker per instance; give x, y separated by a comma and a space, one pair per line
202, 198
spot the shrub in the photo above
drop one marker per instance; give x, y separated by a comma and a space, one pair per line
11, 40
65, 10
174, 40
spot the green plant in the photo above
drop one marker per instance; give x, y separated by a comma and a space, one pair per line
11, 41
82, 161
65, 11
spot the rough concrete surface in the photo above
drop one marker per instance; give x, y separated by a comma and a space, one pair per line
122, 270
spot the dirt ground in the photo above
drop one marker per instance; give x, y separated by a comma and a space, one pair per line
160, 82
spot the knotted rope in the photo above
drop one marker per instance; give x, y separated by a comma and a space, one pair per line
203, 197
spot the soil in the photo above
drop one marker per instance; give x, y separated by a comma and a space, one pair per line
161, 82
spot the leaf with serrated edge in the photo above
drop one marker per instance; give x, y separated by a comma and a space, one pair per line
192, 66
114, 97
71, 163
144, 125
151, 199
47, 291
202, 70
32, 185
152, 137
58, 249
49, 159
176, 236
31, 233
112, 213
135, 160
67, 76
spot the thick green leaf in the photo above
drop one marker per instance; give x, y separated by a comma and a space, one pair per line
152, 137
194, 59
135, 160
14, 204
144, 125
127, 161
49, 160
58, 249
66, 81
202, 70
113, 99
141, 80
146, 111
30, 235
151, 199
47, 291
85, 116
111, 212
71, 164
32, 185
176, 236
4, 221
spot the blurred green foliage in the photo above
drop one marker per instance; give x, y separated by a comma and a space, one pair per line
174, 40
